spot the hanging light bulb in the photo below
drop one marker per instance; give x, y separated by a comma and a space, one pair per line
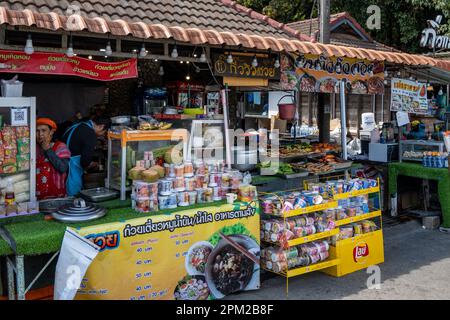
90, 57
143, 51
188, 77
108, 50
277, 63
230, 59
161, 71
29, 45
69, 51
254, 62
174, 53
156, 60
202, 57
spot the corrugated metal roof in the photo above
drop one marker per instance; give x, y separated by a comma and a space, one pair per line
197, 36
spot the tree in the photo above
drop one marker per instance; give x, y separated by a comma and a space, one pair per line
401, 20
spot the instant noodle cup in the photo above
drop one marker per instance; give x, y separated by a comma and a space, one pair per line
218, 179
201, 198
188, 169
173, 201
165, 187
141, 189
212, 180
244, 193
192, 197
225, 180
183, 199
179, 170
142, 204
179, 184
163, 202
199, 180
200, 168
209, 195
189, 184
216, 194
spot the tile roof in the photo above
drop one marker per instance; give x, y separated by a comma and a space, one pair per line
196, 36
219, 15
305, 26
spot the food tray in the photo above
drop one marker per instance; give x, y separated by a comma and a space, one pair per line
299, 173
342, 165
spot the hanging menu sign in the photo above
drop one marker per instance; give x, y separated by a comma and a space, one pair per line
409, 96
60, 64
312, 73
242, 67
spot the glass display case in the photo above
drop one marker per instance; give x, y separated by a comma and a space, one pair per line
125, 148
412, 150
17, 156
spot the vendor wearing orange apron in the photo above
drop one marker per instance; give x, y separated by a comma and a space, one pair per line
52, 161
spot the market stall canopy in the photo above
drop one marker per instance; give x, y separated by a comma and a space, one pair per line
197, 36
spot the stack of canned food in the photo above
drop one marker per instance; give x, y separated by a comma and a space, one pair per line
279, 260
280, 232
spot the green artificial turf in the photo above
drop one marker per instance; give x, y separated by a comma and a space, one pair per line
34, 235
419, 171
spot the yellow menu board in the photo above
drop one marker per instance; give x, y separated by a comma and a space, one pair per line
178, 256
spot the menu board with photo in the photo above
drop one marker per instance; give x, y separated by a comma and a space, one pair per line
312, 73
409, 96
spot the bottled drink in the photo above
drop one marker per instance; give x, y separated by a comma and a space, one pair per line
10, 197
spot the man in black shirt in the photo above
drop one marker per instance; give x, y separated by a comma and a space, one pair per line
81, 140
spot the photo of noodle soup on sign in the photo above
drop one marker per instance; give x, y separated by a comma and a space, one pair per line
216, 271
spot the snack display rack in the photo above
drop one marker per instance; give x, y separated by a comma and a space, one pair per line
303, 240
361, 251
18, 153
345, 255
124, 138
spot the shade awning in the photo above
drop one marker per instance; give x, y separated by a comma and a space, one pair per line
139, 30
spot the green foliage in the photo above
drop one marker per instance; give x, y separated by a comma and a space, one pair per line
401, 20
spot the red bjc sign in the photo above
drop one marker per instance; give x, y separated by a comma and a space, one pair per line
60, 64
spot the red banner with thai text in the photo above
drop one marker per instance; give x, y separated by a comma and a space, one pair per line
60, 64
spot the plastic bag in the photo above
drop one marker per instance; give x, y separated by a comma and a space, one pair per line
354, 147
76, 254
247, 179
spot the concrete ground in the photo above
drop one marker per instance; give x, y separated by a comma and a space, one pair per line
417, 266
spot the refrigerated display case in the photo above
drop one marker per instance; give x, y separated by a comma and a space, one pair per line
18, 154
126, 147
412, 150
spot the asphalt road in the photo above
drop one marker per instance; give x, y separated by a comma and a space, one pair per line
417, 266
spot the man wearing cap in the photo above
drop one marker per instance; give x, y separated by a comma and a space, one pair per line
52, 161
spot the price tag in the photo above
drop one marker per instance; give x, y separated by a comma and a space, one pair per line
19, 117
